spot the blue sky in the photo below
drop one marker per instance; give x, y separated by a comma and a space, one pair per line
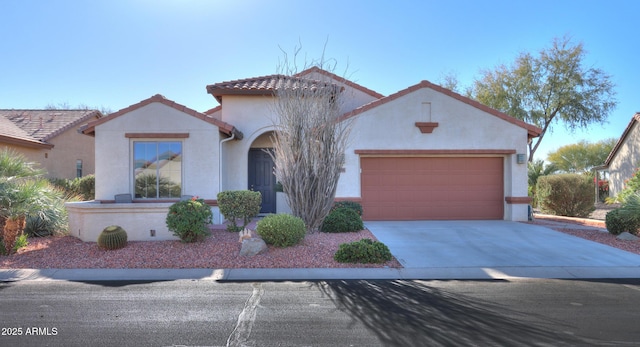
115, 53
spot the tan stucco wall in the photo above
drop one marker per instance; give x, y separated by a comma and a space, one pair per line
461, 127
390, 126
623, 165
114, 166
60, 161
31, 154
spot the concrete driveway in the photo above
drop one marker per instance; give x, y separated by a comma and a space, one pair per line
500, 245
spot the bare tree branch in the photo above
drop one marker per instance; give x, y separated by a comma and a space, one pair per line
309, 141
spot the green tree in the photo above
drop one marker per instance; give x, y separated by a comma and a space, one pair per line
581, 157
553, 86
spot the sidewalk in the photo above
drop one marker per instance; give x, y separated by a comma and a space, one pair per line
453, 273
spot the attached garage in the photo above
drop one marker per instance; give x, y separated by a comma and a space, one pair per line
432, 188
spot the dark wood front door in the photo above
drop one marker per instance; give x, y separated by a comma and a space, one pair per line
262, 179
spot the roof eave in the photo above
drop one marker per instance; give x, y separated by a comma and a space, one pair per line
25, 143
614, 150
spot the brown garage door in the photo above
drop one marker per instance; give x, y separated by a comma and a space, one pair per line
424, 188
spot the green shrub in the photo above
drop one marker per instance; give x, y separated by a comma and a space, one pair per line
615, 222
627, 217
281, 230
189, 219
342, 220
363, 251
348, 204
21, 241
84, 188
566, 195
239, 204
112, 237
51, 219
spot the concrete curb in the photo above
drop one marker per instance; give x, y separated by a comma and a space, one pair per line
458, 273
573, 220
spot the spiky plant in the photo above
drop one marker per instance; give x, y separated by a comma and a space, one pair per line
112, 237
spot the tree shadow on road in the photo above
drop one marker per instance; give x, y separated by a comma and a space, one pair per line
409, 313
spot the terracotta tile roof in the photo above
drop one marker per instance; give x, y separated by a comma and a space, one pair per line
223, 126
532, 130
263, 85
625, 133
37, 127
340, 79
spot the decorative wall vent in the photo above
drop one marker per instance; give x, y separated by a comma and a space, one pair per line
426, 127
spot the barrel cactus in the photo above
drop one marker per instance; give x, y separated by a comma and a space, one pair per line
112, 237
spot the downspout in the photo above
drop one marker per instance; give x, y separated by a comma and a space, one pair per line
233, 136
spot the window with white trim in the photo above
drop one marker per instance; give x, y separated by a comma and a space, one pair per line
157, 169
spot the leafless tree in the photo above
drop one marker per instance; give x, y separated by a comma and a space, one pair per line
310, 140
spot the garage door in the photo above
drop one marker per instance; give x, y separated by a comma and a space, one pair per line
424, 188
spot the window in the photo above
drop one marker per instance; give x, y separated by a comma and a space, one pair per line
157, 169
79, 168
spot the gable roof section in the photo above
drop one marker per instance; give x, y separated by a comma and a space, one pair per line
34, 128
341, 80
212, 111
224, 127
267, 85
635, 119
532, 130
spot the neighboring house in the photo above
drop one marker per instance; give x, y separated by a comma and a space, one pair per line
624, 159
51, 138
424, 152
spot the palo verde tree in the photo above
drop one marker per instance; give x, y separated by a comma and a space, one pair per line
310, 140
555, 85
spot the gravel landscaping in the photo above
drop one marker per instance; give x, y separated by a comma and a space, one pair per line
221, 249
218, 251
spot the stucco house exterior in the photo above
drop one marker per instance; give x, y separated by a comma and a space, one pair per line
51, 138
424, 152
624, 158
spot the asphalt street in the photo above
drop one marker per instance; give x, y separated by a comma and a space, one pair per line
518, 312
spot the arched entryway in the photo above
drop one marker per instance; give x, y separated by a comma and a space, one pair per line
261, 177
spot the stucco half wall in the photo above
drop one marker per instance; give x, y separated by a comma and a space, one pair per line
141, 221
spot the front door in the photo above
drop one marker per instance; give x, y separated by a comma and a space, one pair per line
262, 179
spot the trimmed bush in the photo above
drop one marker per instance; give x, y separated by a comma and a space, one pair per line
566, 195
348, 204
281, 230
189, 219
626, 218
239, 204
112, 237
363, 251
614, 222
342, 220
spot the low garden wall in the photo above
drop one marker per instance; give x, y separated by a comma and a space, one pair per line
142, 221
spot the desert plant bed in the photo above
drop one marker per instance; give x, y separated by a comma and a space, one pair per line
218, 251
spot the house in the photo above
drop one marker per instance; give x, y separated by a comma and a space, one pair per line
624, 158
424, 152
51, 138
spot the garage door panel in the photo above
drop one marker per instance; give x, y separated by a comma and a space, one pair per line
405, 188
